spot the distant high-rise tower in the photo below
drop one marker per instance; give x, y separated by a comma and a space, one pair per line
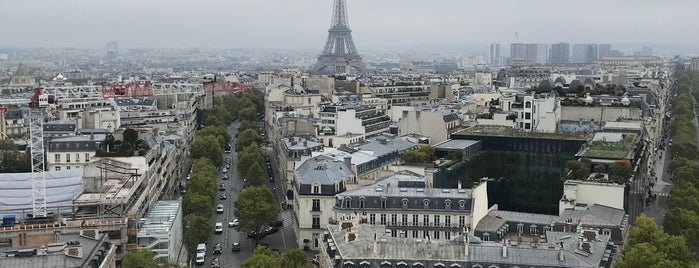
560, 53
495, 54
339, 55
604, 50
584, 53
646, 51
112, 50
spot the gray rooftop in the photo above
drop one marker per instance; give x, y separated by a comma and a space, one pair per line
455, 144
382, 145
593, 215
55, 259
389, 188
323, 170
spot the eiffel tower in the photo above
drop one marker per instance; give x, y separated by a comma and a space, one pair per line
339, 55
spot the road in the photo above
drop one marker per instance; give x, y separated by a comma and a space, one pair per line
283, 240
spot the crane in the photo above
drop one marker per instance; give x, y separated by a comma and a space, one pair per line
40, 106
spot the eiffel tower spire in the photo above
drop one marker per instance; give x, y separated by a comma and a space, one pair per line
339, 54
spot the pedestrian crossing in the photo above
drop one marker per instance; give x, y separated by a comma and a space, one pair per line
287, 217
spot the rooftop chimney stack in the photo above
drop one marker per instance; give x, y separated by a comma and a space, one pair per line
376, 247
504, 248
348, 161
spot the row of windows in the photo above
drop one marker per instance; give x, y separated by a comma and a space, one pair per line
77, 157
58, 168
402, 264
417, 220
405, 202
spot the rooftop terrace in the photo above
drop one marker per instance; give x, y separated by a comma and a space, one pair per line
500, 131
610, 145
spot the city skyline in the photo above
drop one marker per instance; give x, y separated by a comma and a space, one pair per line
304, 24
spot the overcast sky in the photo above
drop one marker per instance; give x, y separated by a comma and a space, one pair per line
375, 23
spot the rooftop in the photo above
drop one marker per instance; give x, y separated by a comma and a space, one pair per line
323, 170
455, 144
57, 258
382, 145
160, 218
398, 185
610, 145
500, 131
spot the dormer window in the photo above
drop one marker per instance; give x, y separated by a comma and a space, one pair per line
462, 204
405, 203
383, 202
426, 203
447, 204
348, 202
361, 202
315, 189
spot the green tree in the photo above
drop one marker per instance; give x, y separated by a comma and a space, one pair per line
255, 175
207, 146
12, 160
255, 208
196, 230
219, 116
599, 168
645, 230
130, 137
204, 165
245, 125
247, 137
644, 255
194, 203
249, 156
204, 185
645, 234
684, 195
139, 258
684, 222
295, 258
263, 258
218, 131
248, 113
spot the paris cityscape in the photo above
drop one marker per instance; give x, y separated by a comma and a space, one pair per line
348, 134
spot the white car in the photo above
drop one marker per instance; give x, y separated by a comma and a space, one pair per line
233, 223
201, 258
218, 228
219, 209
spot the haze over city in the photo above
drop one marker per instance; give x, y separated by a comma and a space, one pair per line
304, 24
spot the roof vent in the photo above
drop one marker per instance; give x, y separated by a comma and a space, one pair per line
403, 189
379, 189
446, 191
462, 191
420, 190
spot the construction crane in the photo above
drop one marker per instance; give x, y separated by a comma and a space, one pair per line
41, 107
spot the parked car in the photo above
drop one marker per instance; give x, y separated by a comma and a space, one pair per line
218, 228
201, 258
222, 196
225, 170
315, 260
270, 230
215, 263
225, 176
233, 223
219, 209
217, 249
254, 235
221, 187
235, 247
277, 224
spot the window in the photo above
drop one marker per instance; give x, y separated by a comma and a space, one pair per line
361, 202
447, 204
383, 202
447, 235
394, 219
383, 219
405, 203
58, 158
520, 228
462, 221
415, 219
77, 157
316, 189
486, 237
425, 234
309, 100
532, 229
87, 157
547, 228
372, 218
436, 234
404, 220
462, 204
58, 168
316, 222
447, 220
426, 202
528, 104
415, 233
436, 220
527, 116
527, 126
68, 167
348, 202
316, 205
425, 220
67, 158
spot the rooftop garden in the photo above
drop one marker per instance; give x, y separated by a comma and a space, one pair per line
611, 150
501, 131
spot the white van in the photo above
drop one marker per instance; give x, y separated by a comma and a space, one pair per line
201, 259
201, 249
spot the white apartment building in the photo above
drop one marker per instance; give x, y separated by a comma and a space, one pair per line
409, 209
315, 184
586, 192
436, 124
345, 123
535, 113
72, 152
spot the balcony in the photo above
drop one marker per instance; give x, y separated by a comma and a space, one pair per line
317, 209
315, 226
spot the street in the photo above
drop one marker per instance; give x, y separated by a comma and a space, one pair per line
283, 240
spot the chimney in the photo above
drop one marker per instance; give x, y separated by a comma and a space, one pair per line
348, 161
305, 143
504, 248
459, 185
561, 253
376, 247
